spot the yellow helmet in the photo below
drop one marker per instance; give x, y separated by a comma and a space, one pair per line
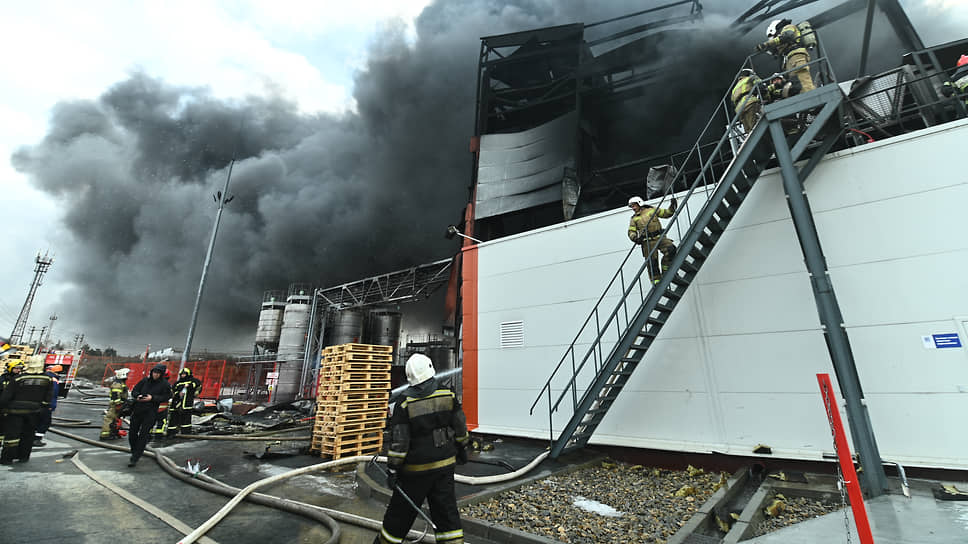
13, 363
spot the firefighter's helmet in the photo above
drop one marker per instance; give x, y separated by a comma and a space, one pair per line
963, 61
55, 368
419, 369
775, 26
186, 371
122, 373
15, 363
637, 201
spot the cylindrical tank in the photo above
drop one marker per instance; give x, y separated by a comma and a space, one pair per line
443, 357
347, 327
383, 328
292, 340
270, 320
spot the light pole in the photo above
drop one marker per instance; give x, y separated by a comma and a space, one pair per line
222, 198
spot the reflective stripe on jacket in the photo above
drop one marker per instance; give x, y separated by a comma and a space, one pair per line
645, 223
426, 429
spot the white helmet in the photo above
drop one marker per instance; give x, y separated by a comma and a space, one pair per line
122, 373
775, 27
637, 201
419, 369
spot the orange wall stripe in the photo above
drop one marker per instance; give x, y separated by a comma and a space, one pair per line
469, 336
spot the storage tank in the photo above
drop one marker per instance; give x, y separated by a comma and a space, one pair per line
383, 328
442, 356
347, 327
292, 340
270, 320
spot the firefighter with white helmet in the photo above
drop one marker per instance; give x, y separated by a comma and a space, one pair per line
790, 41
646, 230
119, 395
428, 436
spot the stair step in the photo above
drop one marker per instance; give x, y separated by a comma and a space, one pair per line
708, 240
715, 226
647, 334
667, 307
689, 267
724, 211
700, 253
644, 347
734, 198
672, 294
655, 321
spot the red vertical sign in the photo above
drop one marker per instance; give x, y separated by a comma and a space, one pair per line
846, 460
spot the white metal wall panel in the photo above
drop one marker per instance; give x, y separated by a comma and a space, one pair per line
735, 366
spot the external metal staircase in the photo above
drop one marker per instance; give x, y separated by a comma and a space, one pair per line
618, 339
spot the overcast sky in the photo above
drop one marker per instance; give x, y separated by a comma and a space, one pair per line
307, 54
56, 51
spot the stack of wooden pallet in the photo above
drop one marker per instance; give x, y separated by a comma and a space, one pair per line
351, 404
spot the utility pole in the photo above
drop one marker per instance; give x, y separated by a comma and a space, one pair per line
222, 198
30, 335
43, 264
50, 328
40, 338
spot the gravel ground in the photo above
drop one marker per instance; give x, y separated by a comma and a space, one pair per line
608, 503
795, 510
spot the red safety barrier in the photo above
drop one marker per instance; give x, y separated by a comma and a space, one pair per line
846, 460
213, 374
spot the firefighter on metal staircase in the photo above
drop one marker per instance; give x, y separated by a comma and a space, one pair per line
790, 41
646, 230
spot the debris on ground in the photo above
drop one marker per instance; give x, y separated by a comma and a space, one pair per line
790, 510
607, 502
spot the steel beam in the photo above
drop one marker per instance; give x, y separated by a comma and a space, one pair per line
873, 478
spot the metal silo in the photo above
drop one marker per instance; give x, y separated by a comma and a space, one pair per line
292, 340
270, 320
383, 328
443, 357
347, 327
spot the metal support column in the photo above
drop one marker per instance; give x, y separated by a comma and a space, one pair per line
873, 478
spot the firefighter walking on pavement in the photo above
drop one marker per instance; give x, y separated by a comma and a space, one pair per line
22, 403
185, 390
646, 230
428, 437
119, 395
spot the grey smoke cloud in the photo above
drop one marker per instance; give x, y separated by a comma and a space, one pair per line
318, 198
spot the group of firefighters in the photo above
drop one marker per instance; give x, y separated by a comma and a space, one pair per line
156, 408
28, 396
791, 43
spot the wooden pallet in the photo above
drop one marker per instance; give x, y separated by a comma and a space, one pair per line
354, 366
353, 376
346, 407
356, 427
343, 348
348, 417
354, 356
352, 397
333, 387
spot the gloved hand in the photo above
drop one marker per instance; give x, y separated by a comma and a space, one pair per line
673, 204
762, 46
391, 478
947, 90
461, 455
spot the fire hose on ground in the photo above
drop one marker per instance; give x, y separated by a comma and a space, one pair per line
299, 508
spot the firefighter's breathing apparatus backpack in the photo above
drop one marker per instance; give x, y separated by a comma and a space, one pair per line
808, 38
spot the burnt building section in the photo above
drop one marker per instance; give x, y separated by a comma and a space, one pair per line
571, 119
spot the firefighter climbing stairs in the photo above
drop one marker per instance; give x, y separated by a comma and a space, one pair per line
724, 180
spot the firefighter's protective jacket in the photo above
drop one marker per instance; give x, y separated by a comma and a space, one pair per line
786, 41
184, 392
645, 223
426, 429
27, 394
958, 83
119, 392
742, 94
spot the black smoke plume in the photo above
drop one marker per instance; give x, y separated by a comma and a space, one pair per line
318, 198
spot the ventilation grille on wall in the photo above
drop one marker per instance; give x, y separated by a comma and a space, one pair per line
512, 334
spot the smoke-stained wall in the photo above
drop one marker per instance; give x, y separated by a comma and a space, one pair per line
319, 198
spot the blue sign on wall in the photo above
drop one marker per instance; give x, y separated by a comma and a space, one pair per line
950, 340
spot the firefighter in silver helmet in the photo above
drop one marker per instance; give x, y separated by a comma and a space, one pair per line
785, 39
428, 436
